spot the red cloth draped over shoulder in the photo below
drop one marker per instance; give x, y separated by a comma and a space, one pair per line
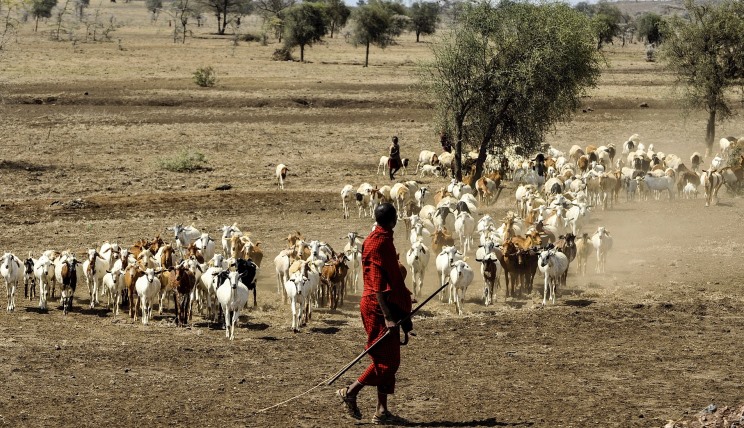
381, 273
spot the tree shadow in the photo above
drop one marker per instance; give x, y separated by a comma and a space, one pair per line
489, 422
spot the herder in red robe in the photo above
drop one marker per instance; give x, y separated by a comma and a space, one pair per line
385, 300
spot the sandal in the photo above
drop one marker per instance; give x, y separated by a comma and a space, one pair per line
350, 403
387, 418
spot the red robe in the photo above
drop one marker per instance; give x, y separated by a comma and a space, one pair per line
381, 275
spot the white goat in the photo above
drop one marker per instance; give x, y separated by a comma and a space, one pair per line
431, 170
113, 283
184, 236
148, 288
353, 251
444, 262
94, 268
461, 275
281, 174
347, 197
205, 244
42, 268
281, 266
297, 289
602, 242
418, 259
553, 264
227, 234
465, 226
232, 295
11, 269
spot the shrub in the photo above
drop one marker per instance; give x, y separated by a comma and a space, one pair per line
248, 37
282, 54
205, 77
185, 162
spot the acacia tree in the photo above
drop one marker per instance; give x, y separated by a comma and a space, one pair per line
304, 24
338, 15
505, 74
42, 9
705, 53
424, 18
227, 11
377, 23
649, 27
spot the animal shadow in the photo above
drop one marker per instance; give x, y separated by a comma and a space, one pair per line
257, 327
489, 422
335, 322
578, 303
36, 309
325, 330
100, 312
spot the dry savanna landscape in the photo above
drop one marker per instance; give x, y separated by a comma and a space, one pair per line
87, 128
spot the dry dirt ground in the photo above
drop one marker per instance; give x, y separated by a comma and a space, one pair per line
653, 339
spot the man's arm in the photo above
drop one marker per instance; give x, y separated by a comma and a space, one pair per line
386, 312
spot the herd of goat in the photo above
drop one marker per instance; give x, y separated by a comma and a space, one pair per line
555, 195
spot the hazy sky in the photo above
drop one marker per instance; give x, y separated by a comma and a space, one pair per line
409, 2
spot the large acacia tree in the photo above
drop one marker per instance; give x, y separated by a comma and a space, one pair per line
377, 23
505, 74
227, 11
706, 53
338, 14
424, 18
304, 24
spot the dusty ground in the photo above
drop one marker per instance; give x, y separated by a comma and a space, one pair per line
650, 341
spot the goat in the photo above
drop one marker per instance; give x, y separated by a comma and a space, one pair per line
417, 258
298, 290
227, 233
113, 284
347, 196
148, 287
232, 295
281, 174
41, 270
29, 279
461, 275
490, 271
67, 275
444, 262
95, 268
465, 226
712, 180
602, 242
12, 271
553, 265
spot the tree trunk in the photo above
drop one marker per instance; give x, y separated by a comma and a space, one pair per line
417, 36
710, 132
366, 56
36, 28
302, 53
457, 168
220, 27
333, 28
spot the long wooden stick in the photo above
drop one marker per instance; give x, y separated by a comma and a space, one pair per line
366, 351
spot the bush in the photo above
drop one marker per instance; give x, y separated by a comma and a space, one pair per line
282, 54
185, 162
205, 77
248, 37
